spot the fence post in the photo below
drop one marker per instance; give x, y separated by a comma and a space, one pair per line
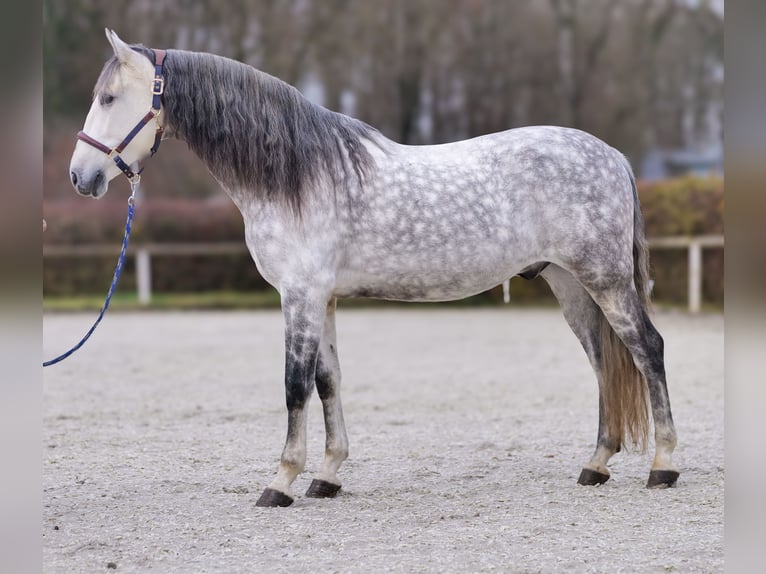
695, 276
144, 276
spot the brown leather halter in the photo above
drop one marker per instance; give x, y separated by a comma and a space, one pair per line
158, 88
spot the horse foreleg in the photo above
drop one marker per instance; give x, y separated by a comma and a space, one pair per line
326, 483
303, 331
584, 318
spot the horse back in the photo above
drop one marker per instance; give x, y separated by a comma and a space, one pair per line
481, 210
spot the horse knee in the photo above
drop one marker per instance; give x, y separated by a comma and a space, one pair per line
298, 385
327, 377
296, 396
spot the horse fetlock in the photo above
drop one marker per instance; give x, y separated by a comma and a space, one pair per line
293, 462
333, 458
596, 472
288, 471
666, 438
665, 444
337, 452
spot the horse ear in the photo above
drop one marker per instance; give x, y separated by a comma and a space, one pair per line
123, 52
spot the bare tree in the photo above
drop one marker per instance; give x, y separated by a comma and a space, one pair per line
637, 73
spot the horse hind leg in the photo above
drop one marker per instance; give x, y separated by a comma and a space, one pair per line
585, 319
326, 484
628, 317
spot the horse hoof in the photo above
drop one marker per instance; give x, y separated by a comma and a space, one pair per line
272, 498
662, 479
590, 477
322, 489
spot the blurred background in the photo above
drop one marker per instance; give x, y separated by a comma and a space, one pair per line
646, 76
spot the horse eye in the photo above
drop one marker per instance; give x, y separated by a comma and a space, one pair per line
106, 99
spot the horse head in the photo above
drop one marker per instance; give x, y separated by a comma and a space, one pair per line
124, 92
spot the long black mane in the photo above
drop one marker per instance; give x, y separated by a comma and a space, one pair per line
255, 131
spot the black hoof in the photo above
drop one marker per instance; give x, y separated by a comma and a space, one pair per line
272, 498
322, 489
590, 477
662, 479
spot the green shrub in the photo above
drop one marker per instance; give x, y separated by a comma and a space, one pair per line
684, 206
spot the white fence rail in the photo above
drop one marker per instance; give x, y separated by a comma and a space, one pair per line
694, 244
143, 254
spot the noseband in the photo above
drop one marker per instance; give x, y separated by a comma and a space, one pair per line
158, 87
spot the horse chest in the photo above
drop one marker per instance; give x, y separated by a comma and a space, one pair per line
285, 252
267, 248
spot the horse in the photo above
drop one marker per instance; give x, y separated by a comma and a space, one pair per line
333, 209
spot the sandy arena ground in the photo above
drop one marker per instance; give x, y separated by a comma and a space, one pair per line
468, 429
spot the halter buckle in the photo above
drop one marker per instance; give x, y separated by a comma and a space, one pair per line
158, 86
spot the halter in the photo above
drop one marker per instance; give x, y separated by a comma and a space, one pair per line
158, 88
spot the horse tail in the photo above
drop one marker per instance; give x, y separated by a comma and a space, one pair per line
624, 391
640, 248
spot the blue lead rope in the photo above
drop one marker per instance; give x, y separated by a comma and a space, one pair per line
115, 280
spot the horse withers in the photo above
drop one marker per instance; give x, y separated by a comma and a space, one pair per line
333, 209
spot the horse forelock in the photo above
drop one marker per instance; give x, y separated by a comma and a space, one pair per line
258, 133
112, 66
105, 78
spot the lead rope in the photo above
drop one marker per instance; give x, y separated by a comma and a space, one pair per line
115, 279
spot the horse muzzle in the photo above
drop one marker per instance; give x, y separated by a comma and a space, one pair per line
90, 185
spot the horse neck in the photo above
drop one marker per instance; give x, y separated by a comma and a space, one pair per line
258, 133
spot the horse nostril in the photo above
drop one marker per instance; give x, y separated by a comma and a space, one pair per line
73, 175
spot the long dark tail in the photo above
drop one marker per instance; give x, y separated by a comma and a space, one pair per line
623, 390
640, 248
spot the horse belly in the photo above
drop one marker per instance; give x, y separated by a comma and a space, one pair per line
428, 239
426, 272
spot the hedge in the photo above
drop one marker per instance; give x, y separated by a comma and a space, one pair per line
684, 206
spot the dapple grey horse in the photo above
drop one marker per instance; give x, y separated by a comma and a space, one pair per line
333, 209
